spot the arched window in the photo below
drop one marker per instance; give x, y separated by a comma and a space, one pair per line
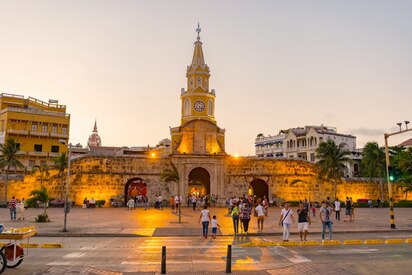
210, 108
199, 81
187, 110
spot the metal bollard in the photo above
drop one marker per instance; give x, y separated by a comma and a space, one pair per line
163, 271
229, 259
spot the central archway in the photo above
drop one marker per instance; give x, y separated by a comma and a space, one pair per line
259, 188
199, 182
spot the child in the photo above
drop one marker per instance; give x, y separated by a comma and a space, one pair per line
214, 227
313, 209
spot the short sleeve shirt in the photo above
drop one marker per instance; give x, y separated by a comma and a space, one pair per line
259, 210
205, 215
214, 223
286, 218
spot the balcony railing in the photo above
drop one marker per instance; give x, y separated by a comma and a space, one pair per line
40, 134
17, 132
59, 135
38, 154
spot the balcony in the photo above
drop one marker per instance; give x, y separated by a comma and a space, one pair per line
54, 155
17, 132
39, 134
38, 154
58, 135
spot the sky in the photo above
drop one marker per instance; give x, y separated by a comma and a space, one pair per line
274, 65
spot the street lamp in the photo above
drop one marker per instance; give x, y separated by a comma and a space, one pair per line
387, 169
66, 201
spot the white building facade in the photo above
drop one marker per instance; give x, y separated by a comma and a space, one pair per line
302, 142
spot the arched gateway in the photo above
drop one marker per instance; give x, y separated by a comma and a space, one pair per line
199, 182
135, 187
259, 188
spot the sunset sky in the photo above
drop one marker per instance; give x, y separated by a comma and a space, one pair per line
274, 65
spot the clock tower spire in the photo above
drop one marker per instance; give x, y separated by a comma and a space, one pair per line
198, 133
197, 101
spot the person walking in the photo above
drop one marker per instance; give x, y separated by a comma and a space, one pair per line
12, 206
260, 213
285, 220
337, 209
324, 214
172, 203
205, 218
193, 202
235, 217
348, 210
246, 216
215, 225
303, 221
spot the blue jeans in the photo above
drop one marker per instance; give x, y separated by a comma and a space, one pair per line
235, 219
205, 228
329, 224
12, 213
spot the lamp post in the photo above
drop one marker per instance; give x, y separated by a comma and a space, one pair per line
386, 135
66, 201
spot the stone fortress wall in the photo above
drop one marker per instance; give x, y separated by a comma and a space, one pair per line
105, 177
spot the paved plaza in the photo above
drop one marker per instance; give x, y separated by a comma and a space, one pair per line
118, 222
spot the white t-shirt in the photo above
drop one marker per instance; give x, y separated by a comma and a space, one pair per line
259, 210
205, 215
337, 205
193, 199
214, 223
286, 219
176, 199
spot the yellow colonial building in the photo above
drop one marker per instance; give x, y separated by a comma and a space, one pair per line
36, 126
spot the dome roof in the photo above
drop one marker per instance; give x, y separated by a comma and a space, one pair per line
94, 139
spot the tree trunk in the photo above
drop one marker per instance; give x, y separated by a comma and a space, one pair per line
6, 183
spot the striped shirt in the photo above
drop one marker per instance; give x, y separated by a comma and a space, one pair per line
12, 203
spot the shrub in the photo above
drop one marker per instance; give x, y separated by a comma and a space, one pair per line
293, 203
42, 218
362, 200
403, 204
100, 203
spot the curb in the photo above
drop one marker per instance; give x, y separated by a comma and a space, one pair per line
327, 243
129, 235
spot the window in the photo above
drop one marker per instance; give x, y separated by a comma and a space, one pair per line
64, 130
54, 129
43, 163
210, 108
38, 147
199, 81
312, 157
44, 128
32, 163
55, 149
34, 127
187, 110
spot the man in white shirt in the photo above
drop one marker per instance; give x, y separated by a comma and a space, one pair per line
260, 215
285, 220
337, 209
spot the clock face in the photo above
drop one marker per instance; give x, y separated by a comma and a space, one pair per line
199, 106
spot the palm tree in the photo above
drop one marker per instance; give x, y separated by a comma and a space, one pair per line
374, 163
404, 161
9, 159
332, 159
406, 187
171, 174
43, 170
40, 195
60, 163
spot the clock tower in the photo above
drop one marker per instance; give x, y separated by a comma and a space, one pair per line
198, 102
198, 133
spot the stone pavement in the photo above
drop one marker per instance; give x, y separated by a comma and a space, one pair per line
118, 222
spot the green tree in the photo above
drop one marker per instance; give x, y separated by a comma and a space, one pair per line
171, 174
404, 162
374, 163
60, 163
43, 171
332, 160
9, 159
405, 186
40, 195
